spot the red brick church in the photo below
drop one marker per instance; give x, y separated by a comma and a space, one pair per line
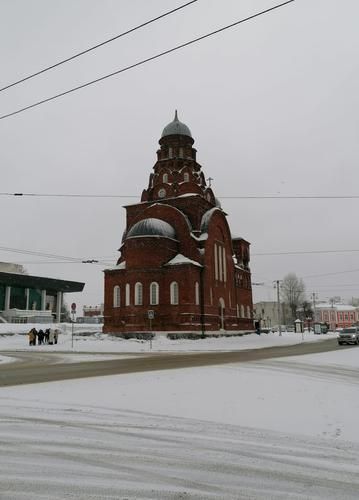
180, 270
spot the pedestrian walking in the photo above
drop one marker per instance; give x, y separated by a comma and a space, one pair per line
40, 336
51, 336
32, 336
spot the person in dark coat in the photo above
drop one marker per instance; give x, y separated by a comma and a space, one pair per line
40, 336
47, 335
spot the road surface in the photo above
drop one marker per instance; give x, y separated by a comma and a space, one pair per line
35, 367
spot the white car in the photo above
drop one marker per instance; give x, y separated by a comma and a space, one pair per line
348, 335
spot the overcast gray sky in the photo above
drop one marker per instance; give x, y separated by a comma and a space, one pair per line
272, 105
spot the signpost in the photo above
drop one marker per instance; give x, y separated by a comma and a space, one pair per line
151, 316
73, 313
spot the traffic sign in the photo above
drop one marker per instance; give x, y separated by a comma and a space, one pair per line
151, 314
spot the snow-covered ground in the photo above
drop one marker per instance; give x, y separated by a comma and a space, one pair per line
88, 338
276, 429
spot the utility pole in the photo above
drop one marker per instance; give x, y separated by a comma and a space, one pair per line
314, 298
278, 308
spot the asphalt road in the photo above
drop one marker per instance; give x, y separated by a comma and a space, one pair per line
35, 367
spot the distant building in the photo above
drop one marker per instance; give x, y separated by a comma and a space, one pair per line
180, 270
91, 315
25, 298
266, 312
336, 315
91, 311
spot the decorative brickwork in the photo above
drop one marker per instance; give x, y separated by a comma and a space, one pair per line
177, 255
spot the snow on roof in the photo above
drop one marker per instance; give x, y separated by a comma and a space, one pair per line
121, 265
188, 194
338, 307
201, 237
181, 259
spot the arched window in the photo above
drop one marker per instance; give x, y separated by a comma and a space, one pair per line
248, 312
127, 294
165, 178
196, 292
242, 311
220, 263
215, 262
154, 294
186, 177
224, 265
138, 294
116, 296
170, 152
174, 293
238, 311
180, 152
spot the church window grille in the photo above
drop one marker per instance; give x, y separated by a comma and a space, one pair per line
180, 154
116, 296
186, 177
165, 178
170, 152
154, 294
174, 293
196, 293
138, 294
127, 294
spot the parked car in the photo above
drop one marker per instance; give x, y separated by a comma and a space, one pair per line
348, 335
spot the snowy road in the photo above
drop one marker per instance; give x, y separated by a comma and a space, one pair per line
45, 367
272, 428
55, 448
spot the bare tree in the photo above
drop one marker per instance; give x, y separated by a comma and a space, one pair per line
293, 292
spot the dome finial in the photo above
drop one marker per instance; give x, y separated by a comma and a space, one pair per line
176, 128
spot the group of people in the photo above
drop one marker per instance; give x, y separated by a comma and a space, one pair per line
49, 336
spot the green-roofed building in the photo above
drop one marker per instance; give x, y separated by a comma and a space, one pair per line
32, 299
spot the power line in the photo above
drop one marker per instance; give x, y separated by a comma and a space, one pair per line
330, 274
304, 252
143, 61
75, 260
78, 54
244, 197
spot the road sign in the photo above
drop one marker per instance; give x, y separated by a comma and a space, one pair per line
151, 314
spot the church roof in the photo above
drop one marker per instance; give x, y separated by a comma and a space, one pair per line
176, 128
152, 227
181, 259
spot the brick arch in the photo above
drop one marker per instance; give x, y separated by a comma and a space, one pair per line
189, 187
214, 221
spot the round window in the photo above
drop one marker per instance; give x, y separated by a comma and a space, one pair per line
161, 193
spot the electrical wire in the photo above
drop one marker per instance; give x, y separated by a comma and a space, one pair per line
75, 260
244, 197
144, 61
303, 252
86, 51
